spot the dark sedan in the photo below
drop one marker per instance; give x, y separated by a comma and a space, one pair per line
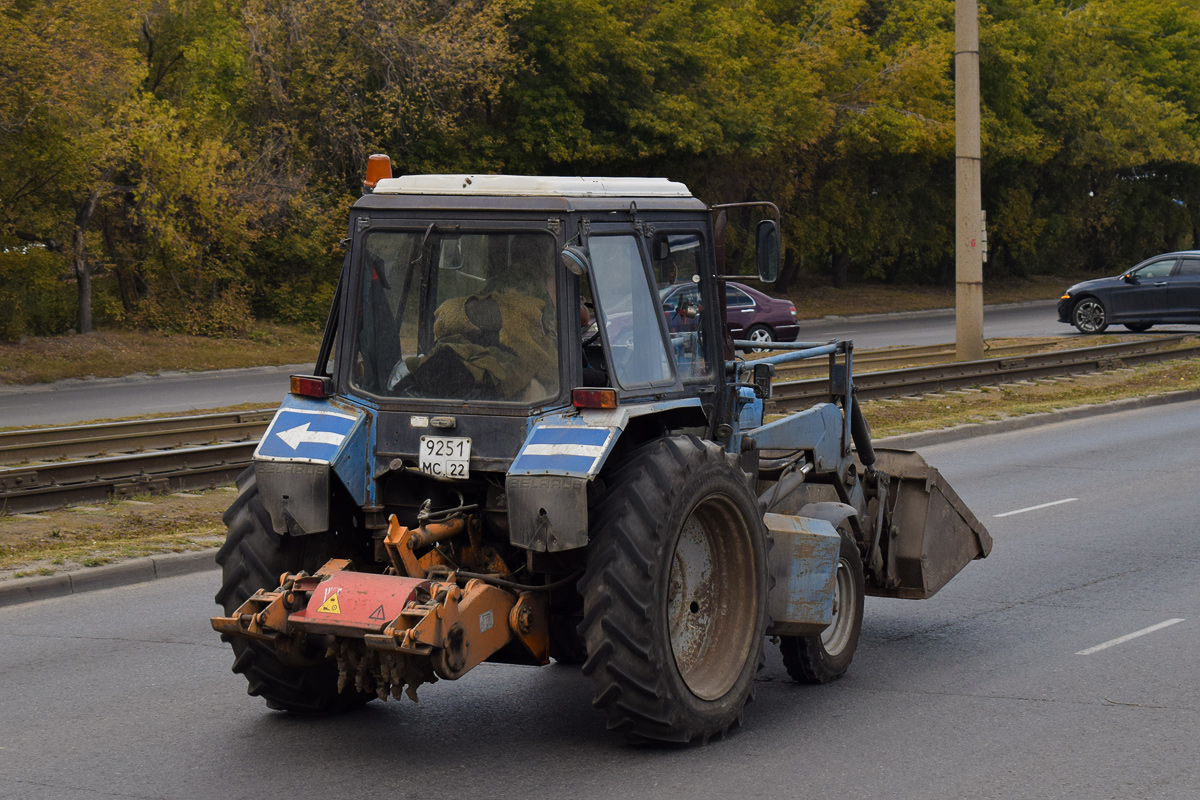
1161, 290
752, 314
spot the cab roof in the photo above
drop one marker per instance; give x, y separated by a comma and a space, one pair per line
530, 186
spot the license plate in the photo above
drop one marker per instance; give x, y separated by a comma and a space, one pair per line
445, 456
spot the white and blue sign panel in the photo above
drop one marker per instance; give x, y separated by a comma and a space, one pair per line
568, 450
306, 435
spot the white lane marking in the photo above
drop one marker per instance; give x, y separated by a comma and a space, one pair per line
1035, 508
1127, 637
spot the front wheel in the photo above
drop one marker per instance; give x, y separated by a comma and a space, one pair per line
675, 593
827, 655
1089, 316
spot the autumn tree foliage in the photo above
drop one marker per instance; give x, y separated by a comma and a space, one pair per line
186, 164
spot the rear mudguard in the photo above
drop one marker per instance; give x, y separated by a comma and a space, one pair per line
563, 452
309, 444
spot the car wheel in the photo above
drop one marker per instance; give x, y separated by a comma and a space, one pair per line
1089, 316
1139, 327
760, 333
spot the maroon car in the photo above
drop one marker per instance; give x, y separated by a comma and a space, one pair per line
752, 314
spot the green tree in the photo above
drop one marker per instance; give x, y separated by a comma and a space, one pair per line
70, 67
1090, 131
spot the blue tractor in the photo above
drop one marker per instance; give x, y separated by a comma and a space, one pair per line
511, 449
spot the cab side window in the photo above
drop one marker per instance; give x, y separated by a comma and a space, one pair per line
1190, 267
677, 269
629, 313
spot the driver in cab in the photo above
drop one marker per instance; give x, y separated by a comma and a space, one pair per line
500, 344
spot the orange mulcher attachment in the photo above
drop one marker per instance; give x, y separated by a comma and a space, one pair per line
404, 627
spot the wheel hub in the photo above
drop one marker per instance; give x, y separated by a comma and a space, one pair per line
1089, 315
837, 635
711, 598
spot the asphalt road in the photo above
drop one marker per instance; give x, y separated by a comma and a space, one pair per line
979, 692
75, 401
70, 402
937, 327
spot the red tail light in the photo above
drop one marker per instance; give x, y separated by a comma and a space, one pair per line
312, 386
594, 398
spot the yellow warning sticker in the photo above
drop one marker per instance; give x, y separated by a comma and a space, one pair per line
330, 606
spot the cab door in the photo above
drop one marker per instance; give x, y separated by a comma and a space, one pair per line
741, 310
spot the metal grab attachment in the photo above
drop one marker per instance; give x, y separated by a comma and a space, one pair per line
391, 631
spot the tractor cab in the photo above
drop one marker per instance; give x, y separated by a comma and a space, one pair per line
471, 305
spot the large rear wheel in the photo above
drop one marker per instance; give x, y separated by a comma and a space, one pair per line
252, 558
675, 593
827, 655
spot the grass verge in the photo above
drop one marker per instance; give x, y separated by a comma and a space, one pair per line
89, 536
814, 302
990, 403
110, 354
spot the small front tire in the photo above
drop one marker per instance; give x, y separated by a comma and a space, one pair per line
827, 655
1089, 316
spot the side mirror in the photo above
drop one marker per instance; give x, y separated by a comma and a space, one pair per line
575, 258
1129, 277
767, 250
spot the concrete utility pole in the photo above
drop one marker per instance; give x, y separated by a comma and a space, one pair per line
968, 257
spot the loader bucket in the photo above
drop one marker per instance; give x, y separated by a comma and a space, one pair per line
934, 534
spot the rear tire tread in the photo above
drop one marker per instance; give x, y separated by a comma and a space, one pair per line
252, 558
630, 671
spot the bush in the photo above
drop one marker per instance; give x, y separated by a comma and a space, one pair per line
34, 300
227, 315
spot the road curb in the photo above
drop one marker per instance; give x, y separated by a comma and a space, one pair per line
25, 590
126, 573
925, 312
910, 441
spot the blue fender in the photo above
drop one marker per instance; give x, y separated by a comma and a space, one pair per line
563, 452
308, 441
